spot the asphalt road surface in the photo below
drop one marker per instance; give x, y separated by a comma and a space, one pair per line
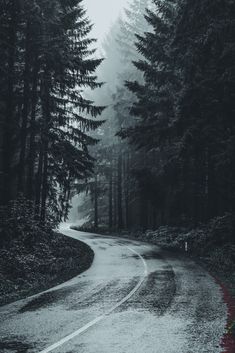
135, 298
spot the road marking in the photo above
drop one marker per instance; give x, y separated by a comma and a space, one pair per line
101, 317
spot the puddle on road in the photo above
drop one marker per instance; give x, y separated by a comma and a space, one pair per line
152, 255
148, 255
50, 298
156, 294
102, 248
98, 297
15, 345
106, 295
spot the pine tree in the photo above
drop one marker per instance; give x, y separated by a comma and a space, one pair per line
9, 86
206, 104
182, 109
47, 66
120, 199
154, 108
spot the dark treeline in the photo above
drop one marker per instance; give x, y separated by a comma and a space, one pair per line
116, 198
172, 107
46, 61
166, 155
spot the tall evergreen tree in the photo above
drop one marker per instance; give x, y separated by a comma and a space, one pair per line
206, 104
185, 105
154, 109
47, 62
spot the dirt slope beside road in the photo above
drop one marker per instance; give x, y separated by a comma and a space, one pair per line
50, 261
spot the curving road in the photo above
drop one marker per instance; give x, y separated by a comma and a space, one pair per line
134, 299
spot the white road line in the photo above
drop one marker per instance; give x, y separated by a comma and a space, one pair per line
98, 319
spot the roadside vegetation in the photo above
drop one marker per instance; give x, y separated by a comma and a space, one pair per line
34, 258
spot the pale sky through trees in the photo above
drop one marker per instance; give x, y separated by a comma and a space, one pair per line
102, 14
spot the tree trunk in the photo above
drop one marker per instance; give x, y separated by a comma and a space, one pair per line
126, 190
44, 183
96, 203
119, 192
45, 97
1, 157
32, 144
115, 217
38, 184
144, 212
212, 206
111, 198
7, 149
232, 185
25, 112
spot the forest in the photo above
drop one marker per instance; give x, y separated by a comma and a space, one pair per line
170, 108
46, 61
145, 131
134, 136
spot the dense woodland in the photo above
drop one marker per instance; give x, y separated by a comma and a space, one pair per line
171, 105
46, 62
166, 151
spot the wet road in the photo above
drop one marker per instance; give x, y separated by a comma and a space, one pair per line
134, 299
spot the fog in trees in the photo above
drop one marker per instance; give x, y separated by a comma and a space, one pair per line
143, 128
117, 144
165, 155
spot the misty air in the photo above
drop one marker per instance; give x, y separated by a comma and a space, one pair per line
117, 176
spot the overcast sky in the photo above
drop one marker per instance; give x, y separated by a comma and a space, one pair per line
103, 13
